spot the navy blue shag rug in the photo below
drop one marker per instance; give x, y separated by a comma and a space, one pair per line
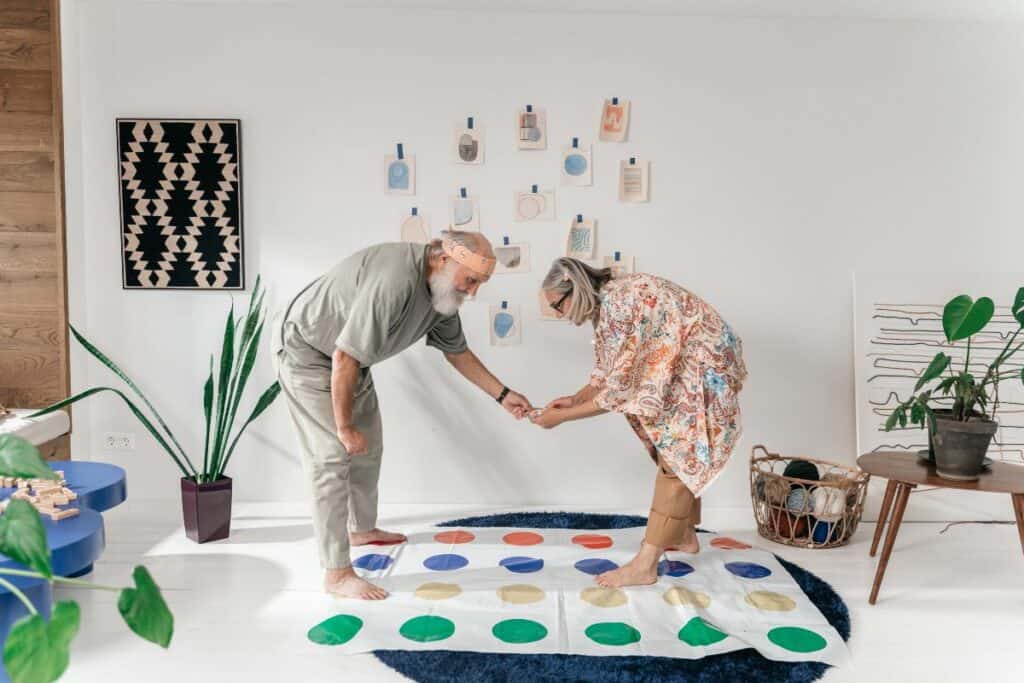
447, 666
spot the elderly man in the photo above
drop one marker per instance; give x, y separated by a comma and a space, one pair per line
369, 307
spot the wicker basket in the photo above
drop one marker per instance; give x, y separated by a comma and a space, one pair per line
803, 512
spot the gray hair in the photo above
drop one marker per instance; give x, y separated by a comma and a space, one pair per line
583, 281
469, 240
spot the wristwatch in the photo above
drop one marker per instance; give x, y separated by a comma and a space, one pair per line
502, 395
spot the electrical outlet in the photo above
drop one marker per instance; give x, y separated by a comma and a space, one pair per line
119, 441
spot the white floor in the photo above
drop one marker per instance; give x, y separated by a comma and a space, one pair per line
951, 608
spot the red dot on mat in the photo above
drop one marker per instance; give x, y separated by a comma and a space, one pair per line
729, 543
523, 538
454, 537
593, 541
385, 542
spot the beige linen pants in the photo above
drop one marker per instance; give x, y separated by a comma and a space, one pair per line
344, 487
674, 511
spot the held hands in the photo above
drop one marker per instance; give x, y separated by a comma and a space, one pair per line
353, 441
549, 417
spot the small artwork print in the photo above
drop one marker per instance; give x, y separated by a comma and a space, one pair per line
614, 120
401, 173
505, 325
576, 165
513, 257
534, 205
532, 126
181, 203
634, 178
581, 238
620, 264
469, 143
464, 212
415, 229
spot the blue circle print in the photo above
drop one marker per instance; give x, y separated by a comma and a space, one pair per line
522, 565
373, 562
575, 164
503, 324
445, 563
596, 565
398, 175
748, 570
674, 568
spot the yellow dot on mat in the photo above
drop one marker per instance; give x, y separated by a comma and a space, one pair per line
520, 594
681, 597
771, 602
437, 591
598, 596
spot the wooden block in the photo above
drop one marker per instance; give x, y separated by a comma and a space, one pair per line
64, 514
60, 474
21, 494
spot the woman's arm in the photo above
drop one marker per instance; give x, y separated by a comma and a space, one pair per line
552, 417
582, 396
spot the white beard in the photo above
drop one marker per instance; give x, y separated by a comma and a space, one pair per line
443, 295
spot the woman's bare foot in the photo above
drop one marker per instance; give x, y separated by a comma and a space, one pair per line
642, 570
690, 545
345, 583
376, 537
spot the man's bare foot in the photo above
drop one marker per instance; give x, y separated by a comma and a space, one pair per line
345, 583
376, 537
642, 570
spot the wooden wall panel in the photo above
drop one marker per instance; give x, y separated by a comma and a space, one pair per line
33, 297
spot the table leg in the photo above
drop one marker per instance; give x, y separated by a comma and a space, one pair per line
1018, 508
883, 516
902, 495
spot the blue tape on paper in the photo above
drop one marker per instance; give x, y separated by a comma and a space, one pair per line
575, 142
504, 304
469, 123
414, 211
529, 108
533, 189
462, 192
615, 100
632, 161
401, 152
579, 218
618, 256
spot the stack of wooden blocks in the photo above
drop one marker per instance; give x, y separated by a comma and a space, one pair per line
46, 495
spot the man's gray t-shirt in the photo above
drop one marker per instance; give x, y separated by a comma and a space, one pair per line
373, 305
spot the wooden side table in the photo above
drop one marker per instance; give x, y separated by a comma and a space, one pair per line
906, 471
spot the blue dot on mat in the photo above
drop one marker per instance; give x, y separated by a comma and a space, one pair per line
748, 570
446, 562
596, 565
373, 562
674, 568
522, 565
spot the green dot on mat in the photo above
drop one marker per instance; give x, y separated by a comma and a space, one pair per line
519, 631
699, 633
427, 629
613, 633
337, 630
796, 639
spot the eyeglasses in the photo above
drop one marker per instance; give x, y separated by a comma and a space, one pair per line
557, 306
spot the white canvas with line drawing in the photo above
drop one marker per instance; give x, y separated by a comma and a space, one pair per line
898, 330
464, 212
469, 142
415, 228
535, 204
582, 239
532, 128
513, 257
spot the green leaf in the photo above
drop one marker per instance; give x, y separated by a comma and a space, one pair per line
934, 369
262, 404
19, 458
227, 361
207, 410
37, 651
890, 424
144, 610
903, 418
945, 385
1018, 306
963, 317
917, 413
23, 537
132, 407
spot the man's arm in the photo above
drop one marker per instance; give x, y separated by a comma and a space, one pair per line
470, 367
344, 377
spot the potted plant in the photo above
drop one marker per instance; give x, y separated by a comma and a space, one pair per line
37, 649
205, 491
960, 433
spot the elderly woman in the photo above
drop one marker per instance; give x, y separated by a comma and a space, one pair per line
668, 362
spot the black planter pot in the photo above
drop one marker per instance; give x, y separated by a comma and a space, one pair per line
206, 509
960, 447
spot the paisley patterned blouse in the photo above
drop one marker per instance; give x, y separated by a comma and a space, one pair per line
667, 360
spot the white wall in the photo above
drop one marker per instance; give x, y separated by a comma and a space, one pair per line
786, 153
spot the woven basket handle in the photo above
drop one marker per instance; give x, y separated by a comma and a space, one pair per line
760, 447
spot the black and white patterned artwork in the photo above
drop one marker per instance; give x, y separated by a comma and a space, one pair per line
181, 203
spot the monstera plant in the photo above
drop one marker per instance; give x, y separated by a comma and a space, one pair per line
37, 649
962, 430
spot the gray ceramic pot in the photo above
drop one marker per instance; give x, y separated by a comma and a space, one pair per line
960, 447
